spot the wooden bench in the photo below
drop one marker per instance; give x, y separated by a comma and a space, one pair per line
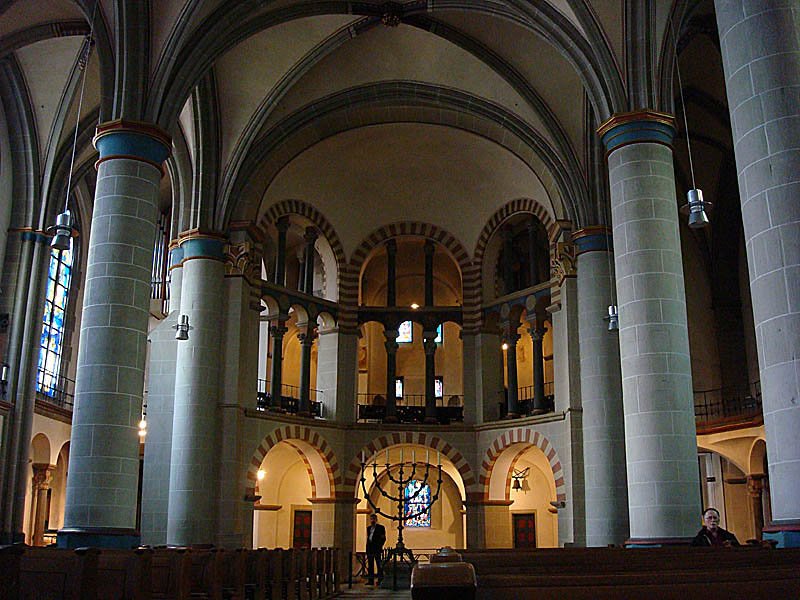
170, 574
674, 572
124, 574
58, 573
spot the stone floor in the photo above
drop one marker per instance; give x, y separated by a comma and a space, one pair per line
359, 590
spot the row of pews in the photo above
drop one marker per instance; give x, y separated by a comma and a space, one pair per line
676, 572
28, 573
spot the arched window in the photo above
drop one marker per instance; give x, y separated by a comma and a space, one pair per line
59, 277
417, 510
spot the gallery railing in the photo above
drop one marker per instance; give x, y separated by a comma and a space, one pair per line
525, 398
57, 390
289, 402
411, 408
729, 404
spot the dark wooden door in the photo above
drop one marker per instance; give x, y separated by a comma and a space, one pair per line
301, 532
525, 530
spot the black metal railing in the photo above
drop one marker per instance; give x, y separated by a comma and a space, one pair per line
727, 404
411, 408
525, 400
57, 390
289, 402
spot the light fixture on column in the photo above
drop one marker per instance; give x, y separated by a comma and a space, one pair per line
519, 478
612, 318
64, 229
4, 369
182, 328
695, 206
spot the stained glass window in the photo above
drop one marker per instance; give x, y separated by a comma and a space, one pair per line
417, 496
59, 276
438, 339
405, 333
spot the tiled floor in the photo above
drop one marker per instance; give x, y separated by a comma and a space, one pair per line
359, 590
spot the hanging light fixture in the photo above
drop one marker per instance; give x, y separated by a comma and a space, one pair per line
612, 318
64, 229
695, 206
182, 328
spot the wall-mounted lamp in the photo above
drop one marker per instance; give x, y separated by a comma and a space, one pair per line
696, 207
4, 369
612, 318
558, 504
182, 328
519, 479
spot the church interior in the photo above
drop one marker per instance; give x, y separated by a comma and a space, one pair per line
509, 274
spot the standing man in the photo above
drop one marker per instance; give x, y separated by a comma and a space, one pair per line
376, 538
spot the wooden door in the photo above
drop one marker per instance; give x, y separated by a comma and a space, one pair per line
301, 531
524, 530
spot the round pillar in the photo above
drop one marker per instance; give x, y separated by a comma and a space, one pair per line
103, 474
761, 63
601, 393
191, 516
660, 437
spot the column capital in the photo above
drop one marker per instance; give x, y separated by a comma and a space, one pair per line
429, 247
537, 333
311, 235
278, 330
308, 336
429, 343
511, 338
134, 140
42, 473
391, 246
391, 345
282, 224
637, 127
196, 243
593, 238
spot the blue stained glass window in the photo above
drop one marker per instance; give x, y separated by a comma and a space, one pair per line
59, 277
405, 333
417, 510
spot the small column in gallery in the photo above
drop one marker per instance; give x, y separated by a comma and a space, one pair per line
510, 339
282, 225
310, 239
429, 345
277, 330
391, 346
306, 337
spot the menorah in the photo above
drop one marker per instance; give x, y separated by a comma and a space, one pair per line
401, 474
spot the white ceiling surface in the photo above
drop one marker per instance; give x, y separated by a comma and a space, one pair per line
186, 122
29, 13
416, 172
247, 73
47, 66
407, 54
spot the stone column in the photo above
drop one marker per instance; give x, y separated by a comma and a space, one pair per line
537, 336
660, 438
310, 239
499, 533
276, 332
391, 346
103, 477
489, 374
42, 474
476, 521
510, 338
306, 338
601, 385
391, 272
508, 256
282, 225
429, 345
755, 490
191, 516
337, 372
761, 62
533, 269
430, 250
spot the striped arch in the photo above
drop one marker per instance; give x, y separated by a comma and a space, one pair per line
303, 209
428, 440
520, 205
521, 436
349, 289
311, 445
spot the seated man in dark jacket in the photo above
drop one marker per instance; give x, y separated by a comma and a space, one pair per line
712, 534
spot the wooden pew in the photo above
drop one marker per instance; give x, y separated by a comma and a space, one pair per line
124, 574
674, 572
233, 573
170, 574
256, 569
10, 557
206, 573
288, 574
58, 573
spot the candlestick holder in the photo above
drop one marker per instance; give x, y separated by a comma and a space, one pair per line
401, 474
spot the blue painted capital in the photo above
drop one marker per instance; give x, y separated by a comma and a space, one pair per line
131, 139
636, 128
591, 239
198, 245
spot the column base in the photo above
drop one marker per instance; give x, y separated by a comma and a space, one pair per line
431, 421
511, 415
538, 411
391, 419
98, 537
787, 534
657, 542
304, 413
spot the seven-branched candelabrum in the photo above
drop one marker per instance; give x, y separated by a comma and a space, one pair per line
401, 474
